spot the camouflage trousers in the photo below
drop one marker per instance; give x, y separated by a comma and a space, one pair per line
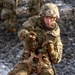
22, 69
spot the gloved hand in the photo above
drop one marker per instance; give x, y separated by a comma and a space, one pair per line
22, 34
49, 44
31, 36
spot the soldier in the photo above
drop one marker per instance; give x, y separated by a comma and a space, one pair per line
42, 43
9, 6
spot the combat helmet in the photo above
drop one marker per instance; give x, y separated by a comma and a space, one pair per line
49, 9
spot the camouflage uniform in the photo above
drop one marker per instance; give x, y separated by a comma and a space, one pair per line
44, 41
1, 6
9, 6
34, 7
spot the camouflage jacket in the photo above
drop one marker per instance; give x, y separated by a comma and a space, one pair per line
9, 7
35, 24
34, 7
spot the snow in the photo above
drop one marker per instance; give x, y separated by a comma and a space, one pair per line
4, 69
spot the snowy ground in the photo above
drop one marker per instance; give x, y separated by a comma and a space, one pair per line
8, 63
4, 67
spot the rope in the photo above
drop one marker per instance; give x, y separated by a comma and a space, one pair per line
6, 54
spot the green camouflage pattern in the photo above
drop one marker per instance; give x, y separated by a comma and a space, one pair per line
22, 69
34, 7
9, 6
33, 24
19, 69
50, 9
47, 42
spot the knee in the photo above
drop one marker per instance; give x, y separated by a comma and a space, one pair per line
47, 72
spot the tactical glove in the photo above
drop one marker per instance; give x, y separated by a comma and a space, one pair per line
31, 36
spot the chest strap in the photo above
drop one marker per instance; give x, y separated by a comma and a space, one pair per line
28, 61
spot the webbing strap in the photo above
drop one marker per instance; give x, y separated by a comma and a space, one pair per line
28, 61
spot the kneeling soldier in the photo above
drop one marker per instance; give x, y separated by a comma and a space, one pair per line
42, 43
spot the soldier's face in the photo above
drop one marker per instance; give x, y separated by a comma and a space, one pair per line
49, 21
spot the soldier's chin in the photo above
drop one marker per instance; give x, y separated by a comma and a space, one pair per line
49, 25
